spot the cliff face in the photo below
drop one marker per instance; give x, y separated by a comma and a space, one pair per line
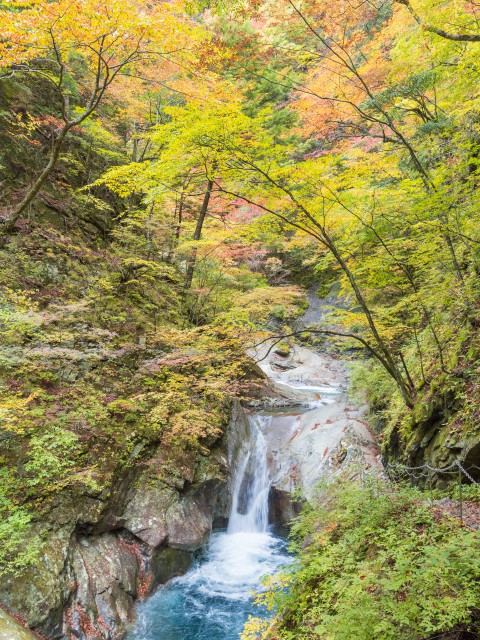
443, 428
103, 552
114, 480
112, 416
436, 442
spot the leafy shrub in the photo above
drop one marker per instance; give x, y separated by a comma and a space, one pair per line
19, 548
375, 563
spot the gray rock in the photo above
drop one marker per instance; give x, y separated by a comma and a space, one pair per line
101, 554
145, 514
109, 573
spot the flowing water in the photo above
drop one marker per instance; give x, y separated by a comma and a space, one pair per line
213, 600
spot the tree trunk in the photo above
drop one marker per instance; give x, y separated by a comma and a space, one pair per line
406, 389
197, 235
384, 354
38, 184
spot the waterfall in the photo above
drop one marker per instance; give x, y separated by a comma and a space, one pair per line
251, 483
213, 600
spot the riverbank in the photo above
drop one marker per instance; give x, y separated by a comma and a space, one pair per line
376, 560
301, 430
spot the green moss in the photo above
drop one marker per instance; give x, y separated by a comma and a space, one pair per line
283, 349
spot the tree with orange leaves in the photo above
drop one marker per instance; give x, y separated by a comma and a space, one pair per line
82, 48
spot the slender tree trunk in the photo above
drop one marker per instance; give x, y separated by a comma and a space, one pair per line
385, 354
178, 230
99, 88
197, 235
177, 218
39, 182
406, 389
406, 271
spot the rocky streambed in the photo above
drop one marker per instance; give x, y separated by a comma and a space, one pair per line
106, 552
312, 430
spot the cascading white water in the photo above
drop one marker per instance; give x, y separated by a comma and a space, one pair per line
251, 484
213, 600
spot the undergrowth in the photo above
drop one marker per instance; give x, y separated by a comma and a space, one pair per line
375, 562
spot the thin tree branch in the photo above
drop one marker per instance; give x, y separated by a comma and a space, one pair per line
456, 37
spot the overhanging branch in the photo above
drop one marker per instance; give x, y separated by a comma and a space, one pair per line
327, 332
457, 37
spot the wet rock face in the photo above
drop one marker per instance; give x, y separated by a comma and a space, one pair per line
102, 553
189, 522
39, 594
110, 572
282, 507
433, 441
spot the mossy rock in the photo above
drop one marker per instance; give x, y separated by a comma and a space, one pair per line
10, 629
283, 349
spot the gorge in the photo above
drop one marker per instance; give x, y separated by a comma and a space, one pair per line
274, 450
301, 429
239, 319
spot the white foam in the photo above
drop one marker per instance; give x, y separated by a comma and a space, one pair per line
236, 562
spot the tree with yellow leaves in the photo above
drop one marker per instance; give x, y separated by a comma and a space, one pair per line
80, 49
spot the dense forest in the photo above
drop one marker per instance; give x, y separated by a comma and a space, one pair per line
175, 177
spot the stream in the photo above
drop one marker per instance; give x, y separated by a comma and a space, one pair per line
312, 433
213, 600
